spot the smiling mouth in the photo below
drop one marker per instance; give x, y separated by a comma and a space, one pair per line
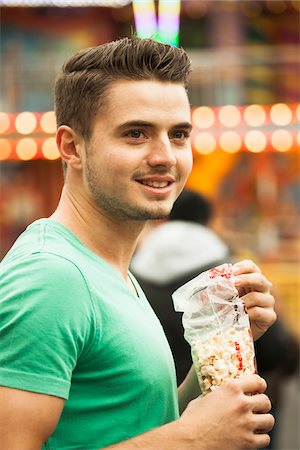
155, 184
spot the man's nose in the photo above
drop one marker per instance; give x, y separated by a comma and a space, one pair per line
161, 153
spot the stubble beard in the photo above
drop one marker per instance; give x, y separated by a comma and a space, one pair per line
118, 209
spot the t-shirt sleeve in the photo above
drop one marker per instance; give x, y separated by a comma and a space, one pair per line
46, 323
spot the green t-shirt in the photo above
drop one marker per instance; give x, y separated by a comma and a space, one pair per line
71, 327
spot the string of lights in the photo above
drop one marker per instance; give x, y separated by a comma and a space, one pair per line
254, 128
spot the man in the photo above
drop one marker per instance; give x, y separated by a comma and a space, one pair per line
84, 362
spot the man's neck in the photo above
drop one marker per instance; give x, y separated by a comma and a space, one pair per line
111, 240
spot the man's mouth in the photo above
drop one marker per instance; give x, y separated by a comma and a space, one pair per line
155, 184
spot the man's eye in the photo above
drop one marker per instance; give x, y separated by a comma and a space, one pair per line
180, 135
135, 134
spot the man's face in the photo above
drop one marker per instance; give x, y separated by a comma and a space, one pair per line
139, 155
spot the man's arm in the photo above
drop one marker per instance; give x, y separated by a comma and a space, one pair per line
228, 418
27, 419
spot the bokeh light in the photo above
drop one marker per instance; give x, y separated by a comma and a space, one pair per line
230, 141
229, 116
48, 122
298, 112
4, 122
49, 149
5, 149
255, 141
281, 114
255, 115
25, 123
282, 140
26, 149
203, 117
205, 143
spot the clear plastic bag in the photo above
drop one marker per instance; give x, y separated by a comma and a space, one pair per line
216, 326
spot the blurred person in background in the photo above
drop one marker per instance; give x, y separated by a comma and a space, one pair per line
175, 251
84, 362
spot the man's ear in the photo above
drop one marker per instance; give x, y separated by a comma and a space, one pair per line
70, 146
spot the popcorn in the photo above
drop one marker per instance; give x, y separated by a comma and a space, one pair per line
222, 357
216, 326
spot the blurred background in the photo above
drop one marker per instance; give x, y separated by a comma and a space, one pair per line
245, 104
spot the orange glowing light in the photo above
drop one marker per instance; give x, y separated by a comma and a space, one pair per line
26, 149
255, 141
229, 116
205, 143
298, 112
281, 114
230, 141
282, 140
4, 122
255, 115
203, 117
25, 123
48, 122
49, 149
5, 149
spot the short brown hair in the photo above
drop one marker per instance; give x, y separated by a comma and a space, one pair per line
81, 87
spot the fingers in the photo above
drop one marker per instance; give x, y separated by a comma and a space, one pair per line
261, 441
258, 299
255, 290
245, 266
252, 384
265, 423
253, 281
261, 317
261, 404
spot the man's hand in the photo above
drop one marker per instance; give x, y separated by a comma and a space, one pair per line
230, 418
255, 290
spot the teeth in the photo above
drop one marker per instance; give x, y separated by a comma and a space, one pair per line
156, 184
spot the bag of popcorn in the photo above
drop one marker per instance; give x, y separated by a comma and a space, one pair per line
216, 326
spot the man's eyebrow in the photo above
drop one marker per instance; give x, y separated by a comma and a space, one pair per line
143, 123
184, 125
135, 123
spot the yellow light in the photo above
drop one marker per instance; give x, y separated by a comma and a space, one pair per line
255, 141
282, 140
26, 149
25, 122
229, 116
298, 112
298, 138
203, 117
49, 149
230, 141
5, 149
255, 115
205, 143
4, 122
48, 122
281, 114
